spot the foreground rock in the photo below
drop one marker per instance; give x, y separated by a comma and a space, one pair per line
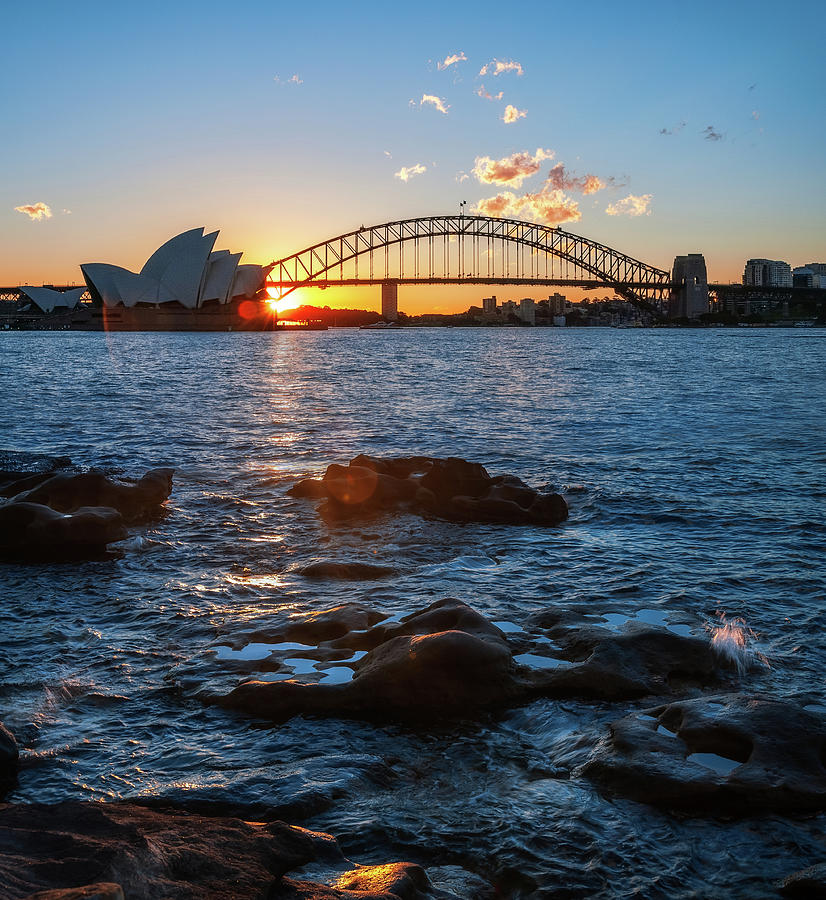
9, 755
32, 531
136, 501
69, 515
451, 488
105, 851
446, 660
731, 754
449, 661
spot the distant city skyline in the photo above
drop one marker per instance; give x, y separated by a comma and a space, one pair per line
656, 133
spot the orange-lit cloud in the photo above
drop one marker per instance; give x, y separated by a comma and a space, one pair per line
452, 60
561, 180
547, 207
486, 95
408, 172
513, 169
632, 205
512, 114
461, 176
498, 66
434, 101
35, 211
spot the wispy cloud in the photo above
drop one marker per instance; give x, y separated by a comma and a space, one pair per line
632, 205
461, 176
408, 172
755, 114
35, 211
498, 66
512, 170
512, 114
486, 95
548, 207
293, 79
676, 129
561, 180
388, 154
451, 60
711, 134
433, 100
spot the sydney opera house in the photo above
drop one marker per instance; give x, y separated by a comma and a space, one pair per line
185, 284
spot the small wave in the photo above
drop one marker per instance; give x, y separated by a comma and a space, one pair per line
731, 639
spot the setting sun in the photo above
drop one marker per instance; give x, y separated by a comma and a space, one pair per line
280, 304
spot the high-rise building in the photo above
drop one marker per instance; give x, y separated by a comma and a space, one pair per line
527, 311
489, 305
556, 305
767, 273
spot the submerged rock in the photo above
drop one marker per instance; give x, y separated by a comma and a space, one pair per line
451, 488
345, 571
732, 754
105, 851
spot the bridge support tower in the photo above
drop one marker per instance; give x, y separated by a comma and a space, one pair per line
390, 300
689, 296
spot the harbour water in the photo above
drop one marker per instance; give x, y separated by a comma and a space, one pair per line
692, 462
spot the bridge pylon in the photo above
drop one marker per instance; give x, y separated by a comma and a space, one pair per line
390, 300
689, 292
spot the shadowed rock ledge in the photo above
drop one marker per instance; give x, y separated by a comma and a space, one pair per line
73, 515
732, 754
449, 662
451, 488
107, 851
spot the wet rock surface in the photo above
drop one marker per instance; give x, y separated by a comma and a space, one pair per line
733, 754
62, 515
105, 851
450, 488
639, 661
445, 660
448, 661
9, 755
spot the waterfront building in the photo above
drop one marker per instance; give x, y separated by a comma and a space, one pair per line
556, 305
489, 305
767, 273
527, 311
185, 271
48, 300
818, 269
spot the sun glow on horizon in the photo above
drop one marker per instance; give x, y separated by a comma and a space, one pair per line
279, 304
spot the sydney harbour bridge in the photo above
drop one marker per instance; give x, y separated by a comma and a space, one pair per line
469, 249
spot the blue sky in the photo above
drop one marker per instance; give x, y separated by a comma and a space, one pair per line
149, 119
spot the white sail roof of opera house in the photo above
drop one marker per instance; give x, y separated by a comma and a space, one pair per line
48, 299
184, 270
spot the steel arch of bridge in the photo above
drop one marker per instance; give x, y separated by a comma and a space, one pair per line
481, 243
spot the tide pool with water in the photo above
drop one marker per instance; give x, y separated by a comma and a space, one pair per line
692, 462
